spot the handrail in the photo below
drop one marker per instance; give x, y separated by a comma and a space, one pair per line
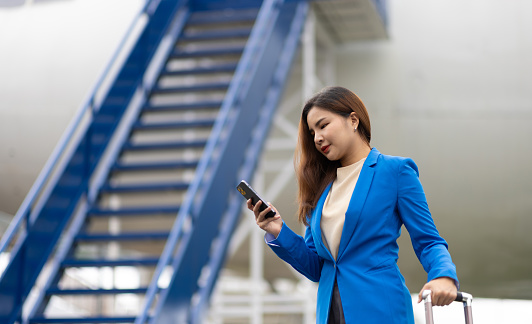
252, 155
67, 137
230, 101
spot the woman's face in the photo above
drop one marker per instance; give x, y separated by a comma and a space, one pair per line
334, 135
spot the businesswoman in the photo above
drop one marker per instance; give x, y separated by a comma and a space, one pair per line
354, 201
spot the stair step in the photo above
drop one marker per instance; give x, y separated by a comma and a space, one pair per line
46, 320
218, 17
172, 125
165, 146
73, 263
219, 68
154, 166
148, 187
180, 107
191, 88
137, 236
216, 34
58, 291
134, 211
232, 50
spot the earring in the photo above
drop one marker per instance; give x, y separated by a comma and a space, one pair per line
355, 129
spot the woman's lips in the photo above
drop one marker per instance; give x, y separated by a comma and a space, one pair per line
325, 149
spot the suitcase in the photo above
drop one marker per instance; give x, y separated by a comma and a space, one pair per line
463, 297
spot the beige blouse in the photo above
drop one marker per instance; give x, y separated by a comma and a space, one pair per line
335, 207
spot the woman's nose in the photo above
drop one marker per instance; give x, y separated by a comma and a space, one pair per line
318, 138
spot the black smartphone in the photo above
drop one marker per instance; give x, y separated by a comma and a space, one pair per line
245, 189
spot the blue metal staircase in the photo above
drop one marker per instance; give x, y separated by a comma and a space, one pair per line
183, 121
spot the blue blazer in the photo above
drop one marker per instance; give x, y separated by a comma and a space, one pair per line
387, 195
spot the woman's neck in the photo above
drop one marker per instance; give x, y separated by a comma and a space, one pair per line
357, 155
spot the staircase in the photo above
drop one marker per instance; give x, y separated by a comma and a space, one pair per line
149, 182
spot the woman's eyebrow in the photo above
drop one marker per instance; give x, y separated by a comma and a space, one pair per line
319, 121
317, 124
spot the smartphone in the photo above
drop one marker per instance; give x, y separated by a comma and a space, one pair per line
245, 189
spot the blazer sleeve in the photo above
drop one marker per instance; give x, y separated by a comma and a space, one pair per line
297, 251
430, 248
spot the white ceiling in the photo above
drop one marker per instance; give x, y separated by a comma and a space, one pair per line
350, 20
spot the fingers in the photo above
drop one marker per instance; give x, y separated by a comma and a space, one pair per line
443, 298
441, 295
272, 225
256, 208
249, 204
260, 216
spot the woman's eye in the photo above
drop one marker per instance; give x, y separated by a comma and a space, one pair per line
323, 126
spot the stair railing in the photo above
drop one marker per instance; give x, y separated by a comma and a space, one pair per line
40, 189
237, 88
77, 152
251, 159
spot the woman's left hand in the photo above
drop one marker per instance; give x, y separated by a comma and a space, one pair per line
443, 291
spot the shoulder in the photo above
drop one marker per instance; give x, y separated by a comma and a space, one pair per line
395, 163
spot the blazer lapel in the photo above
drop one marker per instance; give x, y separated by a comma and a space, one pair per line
358, 199
316, 225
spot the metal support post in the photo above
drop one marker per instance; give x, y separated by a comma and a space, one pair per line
309, 56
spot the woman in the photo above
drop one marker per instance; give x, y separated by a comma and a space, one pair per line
354, 201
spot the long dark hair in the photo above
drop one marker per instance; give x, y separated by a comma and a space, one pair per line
313, 170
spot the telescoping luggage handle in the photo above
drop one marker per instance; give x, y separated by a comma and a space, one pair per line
463, 297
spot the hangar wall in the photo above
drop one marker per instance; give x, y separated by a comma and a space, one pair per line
451, 89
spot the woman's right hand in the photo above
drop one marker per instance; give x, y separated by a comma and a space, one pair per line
270, 225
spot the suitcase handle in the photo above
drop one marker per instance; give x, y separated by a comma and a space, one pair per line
463, 297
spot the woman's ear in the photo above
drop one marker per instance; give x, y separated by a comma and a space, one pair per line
354, 119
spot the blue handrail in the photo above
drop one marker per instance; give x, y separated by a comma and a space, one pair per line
237, 86
68, 137
252, 156
57, 195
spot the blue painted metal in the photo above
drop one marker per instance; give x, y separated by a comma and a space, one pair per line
184, 106
164, 146
192, 88
69, 183
133, 211
109, 263
109, 188
210, 35
206, 19
234, 32
227, 106
87, 320
200, 123
135, 236
200, 5
220, 68
92, 263
232, 50
252, 155
62, 251
211, 204
45, 175
217, 176
154, 166
58, 291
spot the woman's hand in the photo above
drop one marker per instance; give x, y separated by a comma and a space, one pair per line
443, 291
270, 225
